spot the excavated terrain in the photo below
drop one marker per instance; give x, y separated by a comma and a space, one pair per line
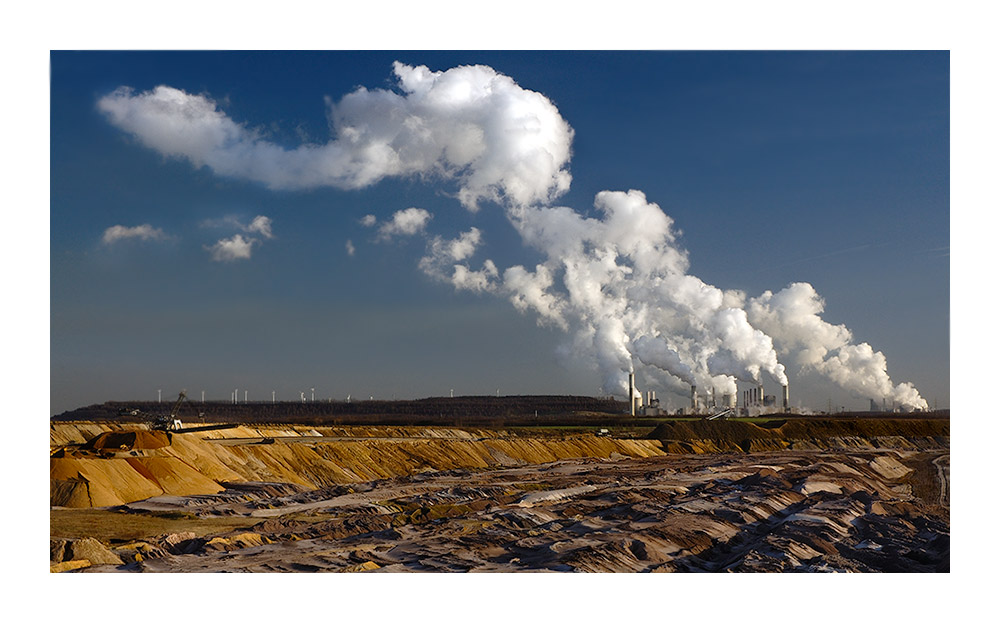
385, 500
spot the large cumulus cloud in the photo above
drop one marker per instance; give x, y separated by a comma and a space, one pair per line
469, 124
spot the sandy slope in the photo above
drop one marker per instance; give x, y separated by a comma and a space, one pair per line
105, 474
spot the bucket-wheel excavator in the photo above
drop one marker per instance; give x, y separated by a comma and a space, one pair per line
160, 421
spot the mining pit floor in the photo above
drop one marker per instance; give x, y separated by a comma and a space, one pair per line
869, 509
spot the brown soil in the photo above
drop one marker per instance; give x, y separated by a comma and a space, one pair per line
783, 511
115, 526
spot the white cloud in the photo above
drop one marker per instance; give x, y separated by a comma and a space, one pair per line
442, 262
405, 223
350, 248
232, 249
238, 247
142, 232
469, 124
368, 220
482, 280
260, 225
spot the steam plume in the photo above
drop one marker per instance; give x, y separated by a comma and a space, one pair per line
618, 283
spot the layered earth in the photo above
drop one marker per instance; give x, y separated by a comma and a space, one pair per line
692, 496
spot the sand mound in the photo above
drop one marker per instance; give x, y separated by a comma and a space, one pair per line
97, 482
174, 476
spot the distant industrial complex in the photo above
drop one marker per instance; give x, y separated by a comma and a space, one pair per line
755, 403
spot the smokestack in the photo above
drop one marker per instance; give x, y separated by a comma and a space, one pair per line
694, 399
784, 397
760, 394
631, 394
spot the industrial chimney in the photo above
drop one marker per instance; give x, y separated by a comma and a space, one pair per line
784, 397
631, 394
694, 399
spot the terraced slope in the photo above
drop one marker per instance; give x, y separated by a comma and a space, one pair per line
784, 511
109, 470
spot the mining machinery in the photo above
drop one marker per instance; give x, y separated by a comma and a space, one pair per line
160, 421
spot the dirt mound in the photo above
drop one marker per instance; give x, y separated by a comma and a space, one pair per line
129, 440
87, 549
97, 482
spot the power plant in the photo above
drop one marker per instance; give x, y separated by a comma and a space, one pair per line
755, 402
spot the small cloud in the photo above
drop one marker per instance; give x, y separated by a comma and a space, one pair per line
368, 220
260, 225
142, 232
225, 222
350, 248
441, 263
238, 247
405, 223
232, 249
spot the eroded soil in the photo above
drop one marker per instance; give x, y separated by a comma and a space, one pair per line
869, 510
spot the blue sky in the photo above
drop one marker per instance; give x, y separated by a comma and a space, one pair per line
830, 168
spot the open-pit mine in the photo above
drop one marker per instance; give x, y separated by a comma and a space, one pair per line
766, 494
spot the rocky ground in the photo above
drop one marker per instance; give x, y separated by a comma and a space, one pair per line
791, 510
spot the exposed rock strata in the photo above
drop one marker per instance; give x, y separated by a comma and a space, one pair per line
384, 500
107, 473
788, 511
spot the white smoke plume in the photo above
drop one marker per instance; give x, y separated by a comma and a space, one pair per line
617, 283
792, 316
469, 124
620, 283
654, 351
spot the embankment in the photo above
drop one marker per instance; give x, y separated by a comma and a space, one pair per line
99, 465
708, 437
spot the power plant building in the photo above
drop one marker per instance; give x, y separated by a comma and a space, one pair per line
755, 402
